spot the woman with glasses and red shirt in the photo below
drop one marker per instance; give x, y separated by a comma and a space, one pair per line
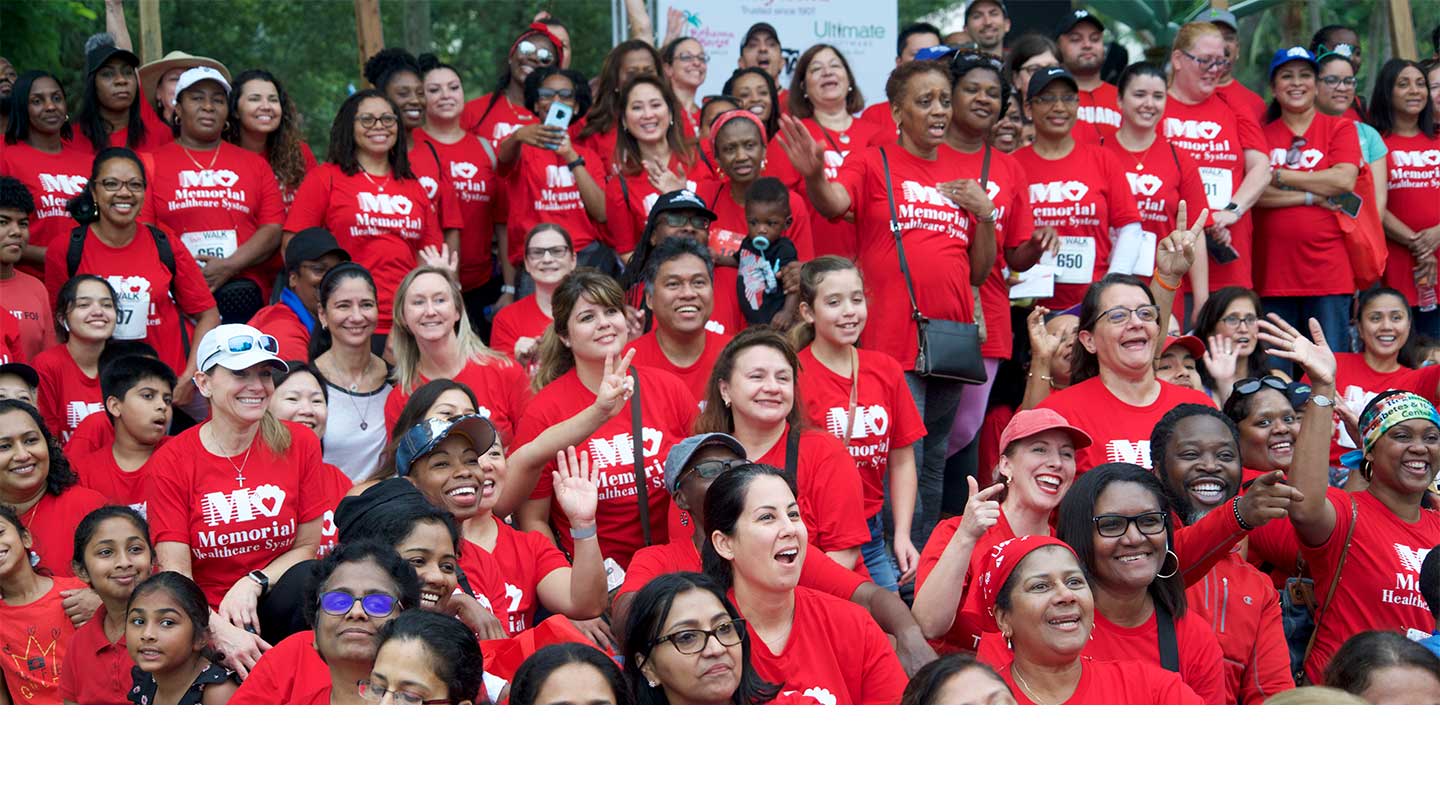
1302, 268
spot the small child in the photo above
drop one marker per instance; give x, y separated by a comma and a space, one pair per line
138, 392
19, 381
167, 635
35, 632
113, 555
1176, 363
764, 254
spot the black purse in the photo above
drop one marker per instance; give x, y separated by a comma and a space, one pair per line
948, 349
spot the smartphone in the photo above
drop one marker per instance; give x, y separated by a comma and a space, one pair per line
1349, 203
559, 116
1220, 253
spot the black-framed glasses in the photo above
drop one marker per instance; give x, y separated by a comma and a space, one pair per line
1335, 80
374, 605
691, 641
563, 94
115, 184
1207, 64
1113, 526
541, 54
699, 222
368, 121
1119, 315
710, 469
1237, 320
1292, 156
376, 694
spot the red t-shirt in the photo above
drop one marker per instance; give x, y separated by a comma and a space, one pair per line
501, 390
1159, 179
1357, 384
1100, 107
97, 671
143, 284
1300, 250
35, 646
425, 163
628, 200
334, 484
730, 229
52, 179
524, 558
67, 395
1119, 431
280, 321
24, 296
667, 414
95, 432
885, 414
157, 131
214, 201
696, 376
1085, 198
483, 573
52, 523
832, 500
10, 350
966, 630
1244, 614
289, 674
1119, 683
1379, 584
1242, 99
232, 528
1217, 136
839, 237
937, 237
679, 555
835, 653
1009, 190
540, 188
601, 144
522, 318
98, 471
470, 170
382, 224
1413, 197
503, 119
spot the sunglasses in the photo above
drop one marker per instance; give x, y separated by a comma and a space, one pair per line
244, 343
1292, 156
374, 605
696, 221
563, 94
1296, 392
710, 470
541, 54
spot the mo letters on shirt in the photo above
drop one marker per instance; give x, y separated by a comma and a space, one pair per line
381, 214
870, 422
924, 207
259, 505
615, 457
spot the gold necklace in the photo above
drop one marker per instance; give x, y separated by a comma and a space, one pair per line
193, 160
1034, 695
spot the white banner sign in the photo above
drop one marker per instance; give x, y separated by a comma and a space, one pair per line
863, 30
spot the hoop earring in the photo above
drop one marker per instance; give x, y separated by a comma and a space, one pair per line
1367, 470
1169, 554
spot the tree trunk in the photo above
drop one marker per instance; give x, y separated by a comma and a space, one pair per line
369, 33
417, 26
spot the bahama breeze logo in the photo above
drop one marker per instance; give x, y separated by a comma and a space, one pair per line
707, 37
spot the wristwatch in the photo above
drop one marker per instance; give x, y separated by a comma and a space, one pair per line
993, 216
1234, 208
262, 579
579, 162
1322, 401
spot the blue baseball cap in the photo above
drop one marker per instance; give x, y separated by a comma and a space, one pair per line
934, 53
1285, 55
427, 434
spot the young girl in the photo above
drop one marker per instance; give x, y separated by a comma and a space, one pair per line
860, 397
70, 371
35, 633
113, 555
166, 632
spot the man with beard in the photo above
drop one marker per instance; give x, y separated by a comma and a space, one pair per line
1081, 38
987, 22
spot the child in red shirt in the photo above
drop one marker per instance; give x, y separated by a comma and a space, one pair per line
113, 555
70, 371
138, 392
35, 633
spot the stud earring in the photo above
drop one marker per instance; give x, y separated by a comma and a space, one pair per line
34, 559
653, 684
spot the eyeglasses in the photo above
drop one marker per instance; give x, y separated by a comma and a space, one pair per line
1292, 156
541, 54
1335, 80
1031, 69
1052, 99
368, 121
689, 57
1217, 63
1119, 315
537, 253
1113, 526
689, 642
376, 694
563, 94
374, 605
712, 469
114, 184
1236, 321
696, 221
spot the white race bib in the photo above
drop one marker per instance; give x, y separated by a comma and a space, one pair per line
1038, 281
1145, 263
1219, 186
132, 315
211, 244
1075, 263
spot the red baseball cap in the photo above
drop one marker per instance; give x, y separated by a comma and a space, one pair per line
996, 566
1038, 420
1191, 343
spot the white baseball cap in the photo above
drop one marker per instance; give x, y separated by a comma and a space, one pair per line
194, 75
237, 347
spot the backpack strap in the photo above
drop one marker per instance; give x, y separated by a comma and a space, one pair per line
76, 252
167, 257
489, 152
1165, 630
792, 456
637, 435
1334, 580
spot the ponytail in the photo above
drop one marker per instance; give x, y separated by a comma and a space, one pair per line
276, 435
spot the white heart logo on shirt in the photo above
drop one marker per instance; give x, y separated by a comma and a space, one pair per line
1075, 191
430, 186
226, 178
267, 499
1147, 185
463, 169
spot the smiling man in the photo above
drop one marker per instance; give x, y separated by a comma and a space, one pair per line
987, 22
680, 291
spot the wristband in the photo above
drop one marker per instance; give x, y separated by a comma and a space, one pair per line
579, 162
587, 532
1235, 506
1163, 285
1309, 199
507, 289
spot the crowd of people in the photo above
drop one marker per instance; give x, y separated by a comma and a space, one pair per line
570, 393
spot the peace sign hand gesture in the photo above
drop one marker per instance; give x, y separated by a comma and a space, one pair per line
616, 385
1175, 254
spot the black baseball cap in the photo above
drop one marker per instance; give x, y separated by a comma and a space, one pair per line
23, 371
682, 200
1046, 76
97, 58
759, 27
1076, 17
311, 244
973, 3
